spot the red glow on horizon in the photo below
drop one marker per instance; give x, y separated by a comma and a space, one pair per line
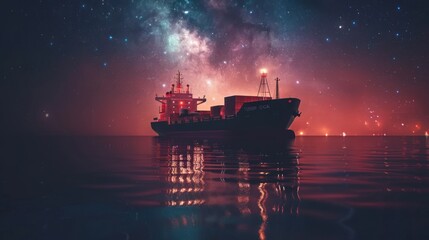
329, 107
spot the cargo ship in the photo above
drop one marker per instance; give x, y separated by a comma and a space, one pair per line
259, 115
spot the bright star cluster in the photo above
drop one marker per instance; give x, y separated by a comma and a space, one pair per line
94, 67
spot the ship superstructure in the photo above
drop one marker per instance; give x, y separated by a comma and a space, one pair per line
177, 101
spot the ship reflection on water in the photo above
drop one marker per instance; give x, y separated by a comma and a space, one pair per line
247, 179
185, 175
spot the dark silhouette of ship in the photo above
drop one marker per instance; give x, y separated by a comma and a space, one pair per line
240, 115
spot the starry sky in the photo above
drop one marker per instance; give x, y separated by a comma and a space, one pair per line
94, 67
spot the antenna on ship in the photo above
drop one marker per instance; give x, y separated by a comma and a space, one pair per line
277, 87
264, 89
179, 81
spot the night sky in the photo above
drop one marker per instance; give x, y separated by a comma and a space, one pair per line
94, 67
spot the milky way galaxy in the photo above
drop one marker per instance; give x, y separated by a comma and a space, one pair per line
94, 67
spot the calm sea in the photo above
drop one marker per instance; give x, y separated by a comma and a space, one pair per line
183, 188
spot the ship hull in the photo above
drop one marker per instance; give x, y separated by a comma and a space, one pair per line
269, 117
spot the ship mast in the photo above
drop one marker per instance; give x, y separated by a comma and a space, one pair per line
179, 82
277, 87
264, 89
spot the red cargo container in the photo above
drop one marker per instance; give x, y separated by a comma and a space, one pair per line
217, 111
234, 103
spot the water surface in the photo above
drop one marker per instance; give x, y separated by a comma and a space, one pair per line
213, 188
